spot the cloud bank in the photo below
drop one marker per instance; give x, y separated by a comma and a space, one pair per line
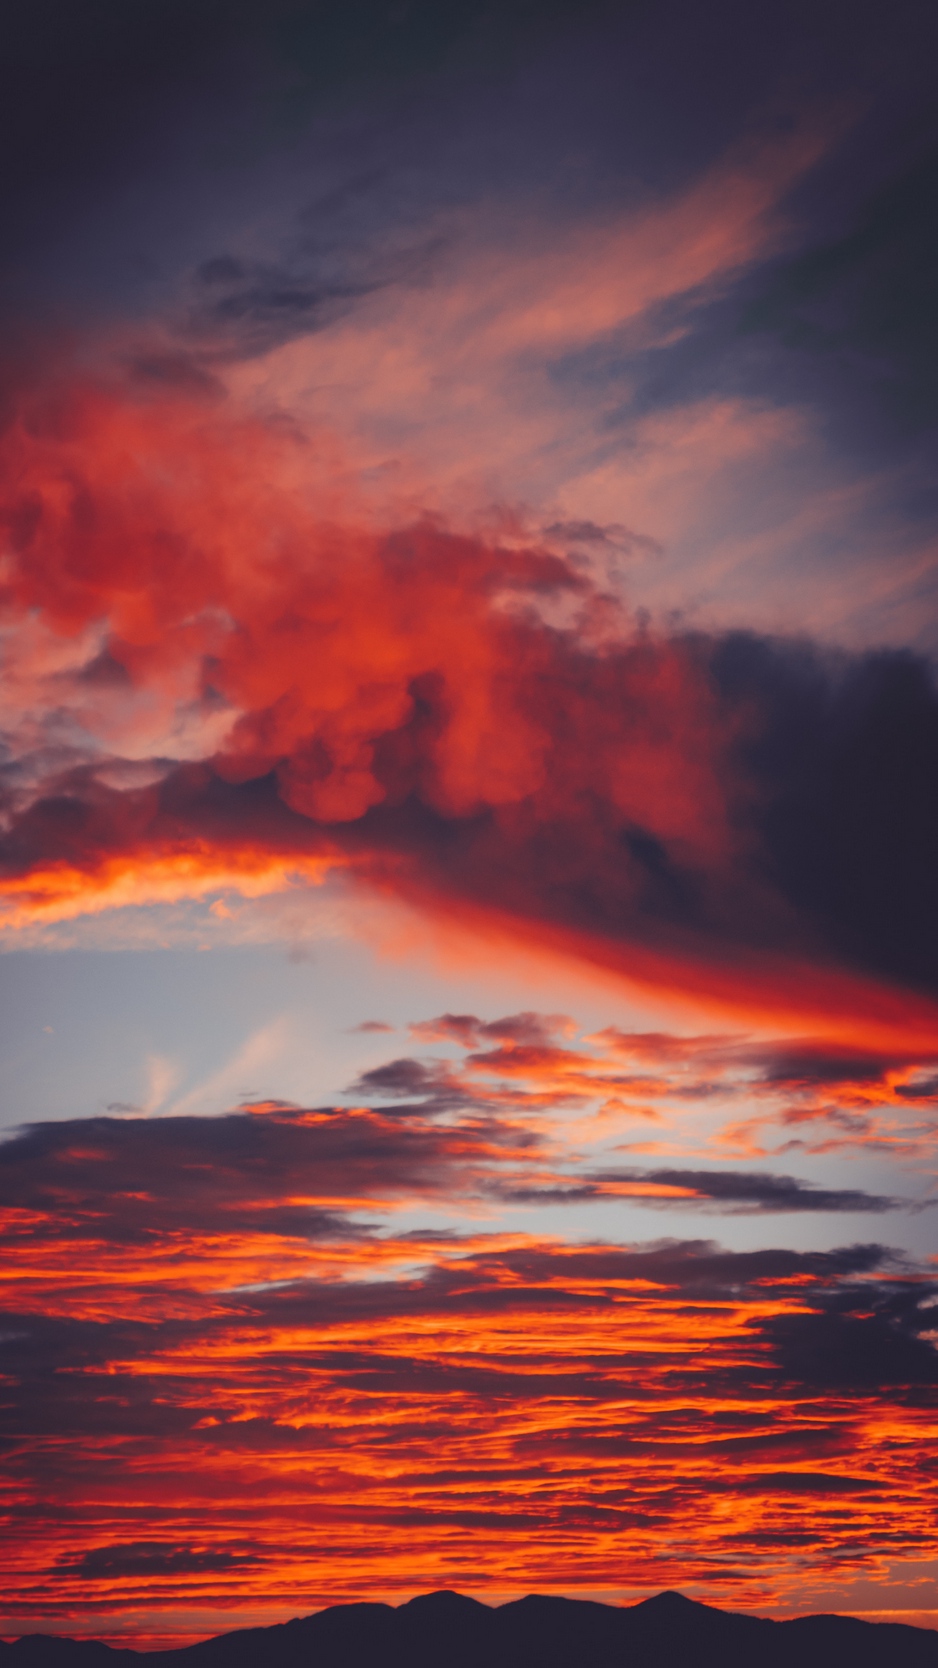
481, 458
251, 1382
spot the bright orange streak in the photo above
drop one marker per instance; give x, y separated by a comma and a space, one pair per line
521, 1415
774, 993
63, 892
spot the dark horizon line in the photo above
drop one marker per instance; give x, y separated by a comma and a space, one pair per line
670, 1609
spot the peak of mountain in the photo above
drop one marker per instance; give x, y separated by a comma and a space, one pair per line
673, 1603
540, 1631
444, 1602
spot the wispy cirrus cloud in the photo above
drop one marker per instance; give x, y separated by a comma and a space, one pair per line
727, 1191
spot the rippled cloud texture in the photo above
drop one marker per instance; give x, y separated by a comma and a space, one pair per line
259, 1374
467, 489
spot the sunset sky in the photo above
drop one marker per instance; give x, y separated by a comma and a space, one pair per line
468, 884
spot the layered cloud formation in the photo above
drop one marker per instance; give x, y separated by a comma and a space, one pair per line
262, 1374
476, 463
247, 1400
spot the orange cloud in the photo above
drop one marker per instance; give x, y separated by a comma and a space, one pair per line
502, 1411
264, 1375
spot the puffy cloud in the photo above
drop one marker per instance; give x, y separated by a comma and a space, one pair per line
470, 725
751, 1092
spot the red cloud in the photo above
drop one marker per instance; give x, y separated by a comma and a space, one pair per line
469, 724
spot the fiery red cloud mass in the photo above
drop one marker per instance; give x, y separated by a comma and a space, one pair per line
213, 676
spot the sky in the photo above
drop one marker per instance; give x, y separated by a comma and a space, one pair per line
468, 807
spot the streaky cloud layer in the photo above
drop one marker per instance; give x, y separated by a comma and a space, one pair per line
250, 1385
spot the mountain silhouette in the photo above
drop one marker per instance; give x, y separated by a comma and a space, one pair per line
449, 1630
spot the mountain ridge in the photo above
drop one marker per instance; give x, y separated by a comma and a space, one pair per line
539, 1631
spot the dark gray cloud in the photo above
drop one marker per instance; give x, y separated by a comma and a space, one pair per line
137, 1558
843, 758
238, 311
524, 1030
862, 302
730, 1191
132, 1180
430, 1085
817, 1066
